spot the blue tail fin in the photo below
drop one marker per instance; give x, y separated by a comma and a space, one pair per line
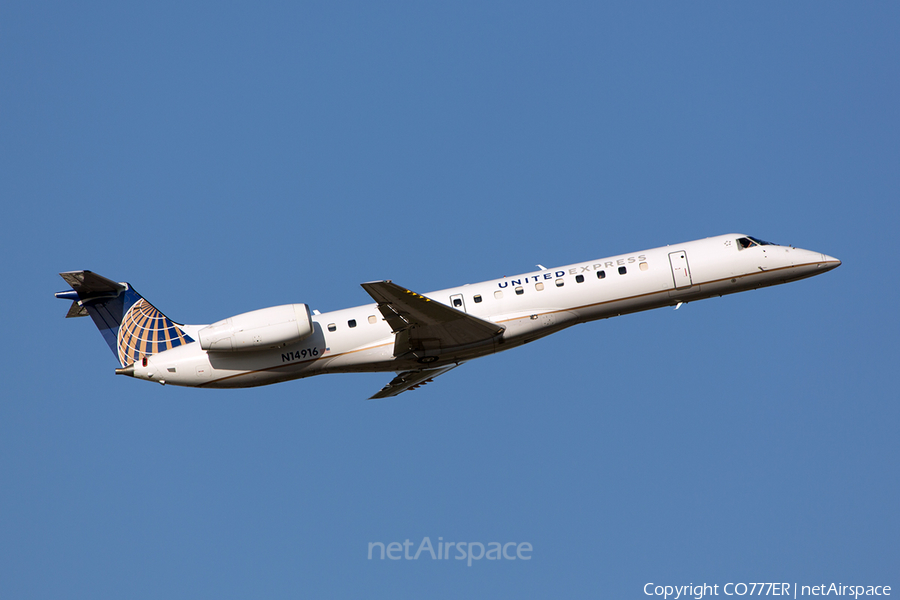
133, 328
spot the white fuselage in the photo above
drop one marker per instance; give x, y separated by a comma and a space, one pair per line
529, 306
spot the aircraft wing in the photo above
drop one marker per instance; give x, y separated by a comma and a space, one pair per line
410, 380
422, 324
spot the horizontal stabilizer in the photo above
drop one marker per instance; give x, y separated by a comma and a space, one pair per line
88, 284
76, 310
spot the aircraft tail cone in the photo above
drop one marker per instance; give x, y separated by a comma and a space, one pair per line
129, 370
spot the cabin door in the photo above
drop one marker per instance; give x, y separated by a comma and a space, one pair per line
456, 301
681, 272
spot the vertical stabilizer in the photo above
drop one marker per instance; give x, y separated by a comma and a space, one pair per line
132, 327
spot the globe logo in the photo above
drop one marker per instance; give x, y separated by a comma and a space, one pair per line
145, 331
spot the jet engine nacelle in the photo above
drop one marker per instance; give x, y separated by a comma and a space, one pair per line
258, 329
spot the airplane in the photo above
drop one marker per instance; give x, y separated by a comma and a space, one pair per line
420, 336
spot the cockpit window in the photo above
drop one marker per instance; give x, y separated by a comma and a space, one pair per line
762, 242
749, 242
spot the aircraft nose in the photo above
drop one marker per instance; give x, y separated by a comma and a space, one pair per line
829, 262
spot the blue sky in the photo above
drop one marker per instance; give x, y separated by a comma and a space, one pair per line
227, 157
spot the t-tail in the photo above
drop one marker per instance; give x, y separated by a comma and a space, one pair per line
133, 328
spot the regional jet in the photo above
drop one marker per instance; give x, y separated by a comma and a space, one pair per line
420, 336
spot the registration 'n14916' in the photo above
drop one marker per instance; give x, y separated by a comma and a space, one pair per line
299, 354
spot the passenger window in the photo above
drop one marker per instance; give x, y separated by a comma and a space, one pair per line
351, 323
332, 327
539, 286
519, 290
372, 319
560, 282
477, 298
457, 302
644, 266
622, 270
498, 294
601, 274
579, 279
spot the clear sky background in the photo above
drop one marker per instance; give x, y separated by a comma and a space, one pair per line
224, 157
